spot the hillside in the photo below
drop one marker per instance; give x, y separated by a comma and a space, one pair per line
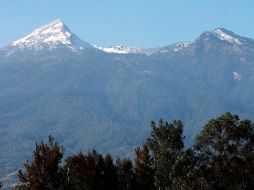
88, 98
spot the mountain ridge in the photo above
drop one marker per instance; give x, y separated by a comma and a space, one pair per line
57, 34
93, 99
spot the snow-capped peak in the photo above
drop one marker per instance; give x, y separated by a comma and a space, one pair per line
50, 36
224, 35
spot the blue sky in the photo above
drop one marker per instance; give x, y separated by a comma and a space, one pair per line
141, 23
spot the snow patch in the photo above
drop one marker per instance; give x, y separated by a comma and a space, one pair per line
226, 37
147, 72
120, 49
179, 46
237, 76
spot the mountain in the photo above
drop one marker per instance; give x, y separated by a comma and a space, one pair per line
52, 82
50, 36
120, 49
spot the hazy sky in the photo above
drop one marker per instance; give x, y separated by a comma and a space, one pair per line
141, 23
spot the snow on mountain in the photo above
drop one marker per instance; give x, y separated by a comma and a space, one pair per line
179, 46
56, 34
175, 47
237, 76
147, 51
222, 34
120, 49
50, 36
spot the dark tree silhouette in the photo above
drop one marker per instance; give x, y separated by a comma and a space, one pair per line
227, 143
90, 172
43, 172
222, 158
125, 174
144, 169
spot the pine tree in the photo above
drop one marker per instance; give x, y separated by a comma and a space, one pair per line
144, 169
43, 172
110, 174
227, 143
90, 172
166, 144
125, 174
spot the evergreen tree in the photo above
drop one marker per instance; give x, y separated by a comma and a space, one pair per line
43, 172
222, 158
90, 172
228, 146
166, 144
81, 172
110, 173
188, 172
144, 169
125, 174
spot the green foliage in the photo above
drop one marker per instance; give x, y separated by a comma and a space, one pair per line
222, 158
187, 172
166, 144
228, 145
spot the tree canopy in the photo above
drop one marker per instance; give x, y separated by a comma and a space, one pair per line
221, 158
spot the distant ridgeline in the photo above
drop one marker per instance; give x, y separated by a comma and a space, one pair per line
221, 158
90, 97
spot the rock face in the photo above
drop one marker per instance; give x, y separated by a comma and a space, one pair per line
51, 82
